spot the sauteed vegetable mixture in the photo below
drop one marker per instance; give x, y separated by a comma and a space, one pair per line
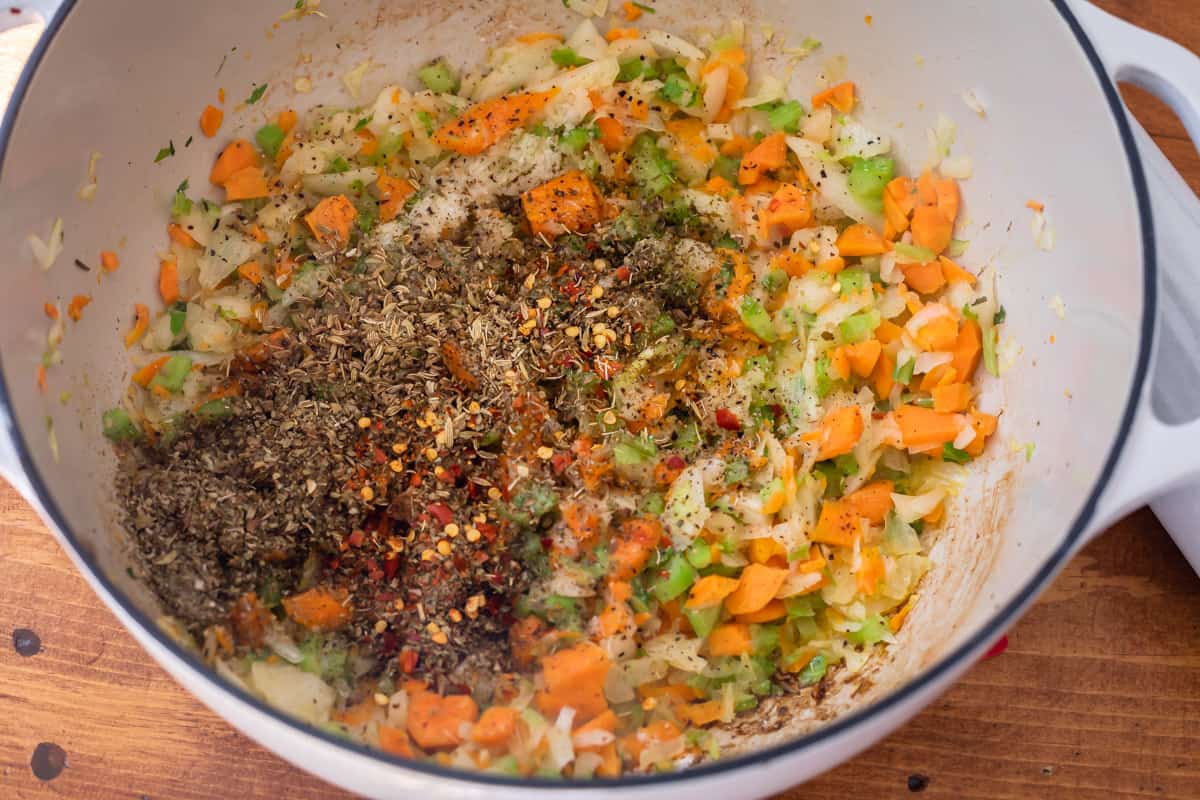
541, 417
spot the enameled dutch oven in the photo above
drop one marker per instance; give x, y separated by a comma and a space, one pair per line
124, 77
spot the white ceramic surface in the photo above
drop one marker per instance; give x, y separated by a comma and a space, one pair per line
114, 79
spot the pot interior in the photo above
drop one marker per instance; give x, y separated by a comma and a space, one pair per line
124, 78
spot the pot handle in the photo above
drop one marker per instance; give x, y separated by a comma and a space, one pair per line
1160, 463
28, 11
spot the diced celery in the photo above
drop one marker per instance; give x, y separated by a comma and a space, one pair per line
680, 575
904, 372
679, 90
786, 116
775, 281
853, 280
215, 409
118, 426
654, 504
663, 325
172, 374
757, 320
799, 607
952, 453
769, 491
438, 76
269, 138
736, 471
699, 555
868, 178
872, 631
989, 351
911, 254
566, 57
825, 381
726, 167
765, 639
632, 450
814, 670
178, 318
703, 620
859, 327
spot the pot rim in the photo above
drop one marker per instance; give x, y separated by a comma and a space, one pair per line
926, 680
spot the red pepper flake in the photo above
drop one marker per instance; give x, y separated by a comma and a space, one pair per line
727, 420
355, 539
996, 649
391, 566
622, 274
676, 462
76, 306
558, 462
441, 513
380, 456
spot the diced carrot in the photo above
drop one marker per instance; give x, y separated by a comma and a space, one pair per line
580, 519
938, 335
42, 384
870, 572
888, 332
985, 426
177, 234
330, 221
436, 722
484, 124
769, 154
671, 692
568, 203
394, 741
50, 310
924, 427
840, 97
168, 281
210, 120
719, 186
238, 155
872, 501
793, 263
710, 591
738, 145
860, 240
924, 278
257, 233
247, 184
612, 134
539, 36
574, 677
251, 271
633, 547
927, 189
948, 198
953, 273
76, 306
319, 608
931, 229
863, 356
896, 621
883, 377
286, 120
393, 193
358, 714
662, 730
606, 720
773, 610
146, 374
838, 525
141, 321
616, 34
729, 639
285, 268
762, 549
941, 375
839, 364
109, 262
756, 587
898, 203
495, 727
789, 211
838, 433
735, 85
967, 350
632, 12
369, 145
832, 265
952, 397
706, 713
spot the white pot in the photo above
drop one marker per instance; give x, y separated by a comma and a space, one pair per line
122, 77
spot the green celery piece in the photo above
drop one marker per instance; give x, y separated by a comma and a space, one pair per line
632, 450
952, 453
680, 575
566, 57
757, 320
215, 409
766, 492
814, 670
859, 327
172, 374
868, 178
911, 254
726, 167
990, 361
575, 140
654, 504
178, 318
736, 471
786, 116
438, 76
119, 426
703, 620
269, 138
873, 630
904, 372
699, 555
853, 280
765, 639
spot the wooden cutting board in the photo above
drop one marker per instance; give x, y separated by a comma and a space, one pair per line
1097, 695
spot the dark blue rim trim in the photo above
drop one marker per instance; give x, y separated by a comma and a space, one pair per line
968, 650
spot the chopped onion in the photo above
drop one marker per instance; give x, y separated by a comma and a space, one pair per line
282, 645
887, 269
673, 45
928, 362
910, 508
593, 738
566, 716
971, 98
354, 78
88, 190
561, 751
957, 167
926, 315
586, 764
768, 90
681, 652
965, 437
657, 752
46, 253
715, 85
800, 583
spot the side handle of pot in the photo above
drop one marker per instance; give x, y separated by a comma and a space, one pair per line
1161, 462
28, 11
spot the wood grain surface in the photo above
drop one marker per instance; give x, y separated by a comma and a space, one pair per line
1097, 695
